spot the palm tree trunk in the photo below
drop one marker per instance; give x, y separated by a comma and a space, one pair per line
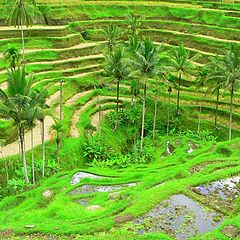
6, 169
216, 111
23, 43
61, 102
200, 112
23, 153
231, 108
33, 164
178, 94
168, 113
43, 150
143, 115
117, 108
19, 149
155, 116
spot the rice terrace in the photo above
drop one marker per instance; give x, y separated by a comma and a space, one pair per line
120, 119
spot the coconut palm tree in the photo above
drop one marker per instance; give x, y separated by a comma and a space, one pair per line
146, 62
22, 13
132, 47
111, 35
200, 81
117, 66
12, 56
161, 72
214, 84
56, 136
133, 24
19, 103
41, 113
227, 71
168, 110
180, 62
31, 124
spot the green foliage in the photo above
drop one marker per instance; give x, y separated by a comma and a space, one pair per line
94, 149
202, 135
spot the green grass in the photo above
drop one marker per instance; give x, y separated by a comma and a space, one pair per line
75, 219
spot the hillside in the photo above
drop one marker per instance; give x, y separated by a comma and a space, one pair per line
106, 174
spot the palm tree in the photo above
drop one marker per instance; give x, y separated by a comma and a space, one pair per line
200, 81
20, 104
181, 63
111, 34
133, 24
118, 67
168, 110
162, 70
214, 84
41, 113
146, 62
132, 46
56, 135
13, 56
227, 69
22, 13
31, 124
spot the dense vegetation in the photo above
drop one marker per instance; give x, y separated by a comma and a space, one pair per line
116, 114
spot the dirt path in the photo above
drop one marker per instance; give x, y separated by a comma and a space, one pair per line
60, 27
13, 148
53, 98
74, 132
190, 49
207, 37
3, 85
67, 77
71, 101
98, 116
68, 60
77, 47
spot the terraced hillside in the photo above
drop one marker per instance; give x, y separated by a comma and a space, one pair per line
65, 46
69, 52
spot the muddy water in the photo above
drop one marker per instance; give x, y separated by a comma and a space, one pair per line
222, 192
169, 149
80, 175
179, 216
87, 189
192, 147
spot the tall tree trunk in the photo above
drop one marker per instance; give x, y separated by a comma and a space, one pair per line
61, 102
231, 108
168, 113
43, 150
178, 93
143, 115
33, 163
216, 111
155, 116
23, 153
200, 113
117, 108
19, 149
23, 43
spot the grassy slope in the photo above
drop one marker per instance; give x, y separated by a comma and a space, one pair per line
61, 215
